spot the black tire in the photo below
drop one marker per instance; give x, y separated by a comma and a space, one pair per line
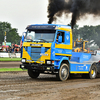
93, 72
63, 73
33, 74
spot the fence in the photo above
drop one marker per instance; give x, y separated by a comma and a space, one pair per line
16, 55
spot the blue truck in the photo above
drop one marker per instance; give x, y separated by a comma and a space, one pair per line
47, 48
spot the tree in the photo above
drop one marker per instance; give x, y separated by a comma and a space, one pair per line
11, 33
75, 32
87, 33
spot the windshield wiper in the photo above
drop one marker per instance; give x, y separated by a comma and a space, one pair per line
42, 40
30, 40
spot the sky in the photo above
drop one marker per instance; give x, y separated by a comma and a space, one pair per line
21, 13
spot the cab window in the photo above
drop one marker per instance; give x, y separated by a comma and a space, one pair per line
60, 34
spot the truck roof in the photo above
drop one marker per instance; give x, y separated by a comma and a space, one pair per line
46, 26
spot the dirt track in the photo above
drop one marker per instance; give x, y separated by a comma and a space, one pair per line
19, 86
10, 64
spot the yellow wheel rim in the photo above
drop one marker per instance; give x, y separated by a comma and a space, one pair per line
92, 72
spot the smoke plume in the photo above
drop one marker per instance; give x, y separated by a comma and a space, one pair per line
78, 8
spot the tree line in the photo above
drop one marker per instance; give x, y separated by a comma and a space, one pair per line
87, 33
11, 33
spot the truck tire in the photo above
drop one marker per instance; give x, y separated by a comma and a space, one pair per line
33, 74
93, 72
63, 73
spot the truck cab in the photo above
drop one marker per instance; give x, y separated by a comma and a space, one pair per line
45, 48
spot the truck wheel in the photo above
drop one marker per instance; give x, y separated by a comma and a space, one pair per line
63, 72
33, 74
93, 72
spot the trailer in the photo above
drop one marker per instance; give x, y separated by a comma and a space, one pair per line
47, 48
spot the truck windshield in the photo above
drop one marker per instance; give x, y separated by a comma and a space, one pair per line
40, 36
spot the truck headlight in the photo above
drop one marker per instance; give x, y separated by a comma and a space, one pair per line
49, 62
23, 60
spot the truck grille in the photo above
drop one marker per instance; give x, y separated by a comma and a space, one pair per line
35, 53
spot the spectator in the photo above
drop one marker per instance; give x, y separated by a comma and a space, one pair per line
13, 51
0, 47
9, 51
6, 49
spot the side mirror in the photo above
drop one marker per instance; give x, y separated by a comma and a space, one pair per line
60, 39
23, 36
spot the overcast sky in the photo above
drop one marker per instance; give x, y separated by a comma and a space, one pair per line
20, 13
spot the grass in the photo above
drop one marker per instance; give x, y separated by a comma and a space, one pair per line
10, 69
10, 59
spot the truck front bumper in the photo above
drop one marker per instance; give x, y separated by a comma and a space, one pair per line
37, 67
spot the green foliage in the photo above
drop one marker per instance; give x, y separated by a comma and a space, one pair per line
10, 69
10, 59
87, 33
11, 33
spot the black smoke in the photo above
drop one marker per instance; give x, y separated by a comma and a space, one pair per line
78, 8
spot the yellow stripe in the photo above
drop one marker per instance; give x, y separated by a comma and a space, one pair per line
63, 46
44, 44
26, 55
43, 57
65, 29
63, 54
79, 72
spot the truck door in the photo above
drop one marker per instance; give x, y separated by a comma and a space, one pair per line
63, 48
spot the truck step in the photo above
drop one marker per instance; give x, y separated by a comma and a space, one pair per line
57, 59
56, 65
